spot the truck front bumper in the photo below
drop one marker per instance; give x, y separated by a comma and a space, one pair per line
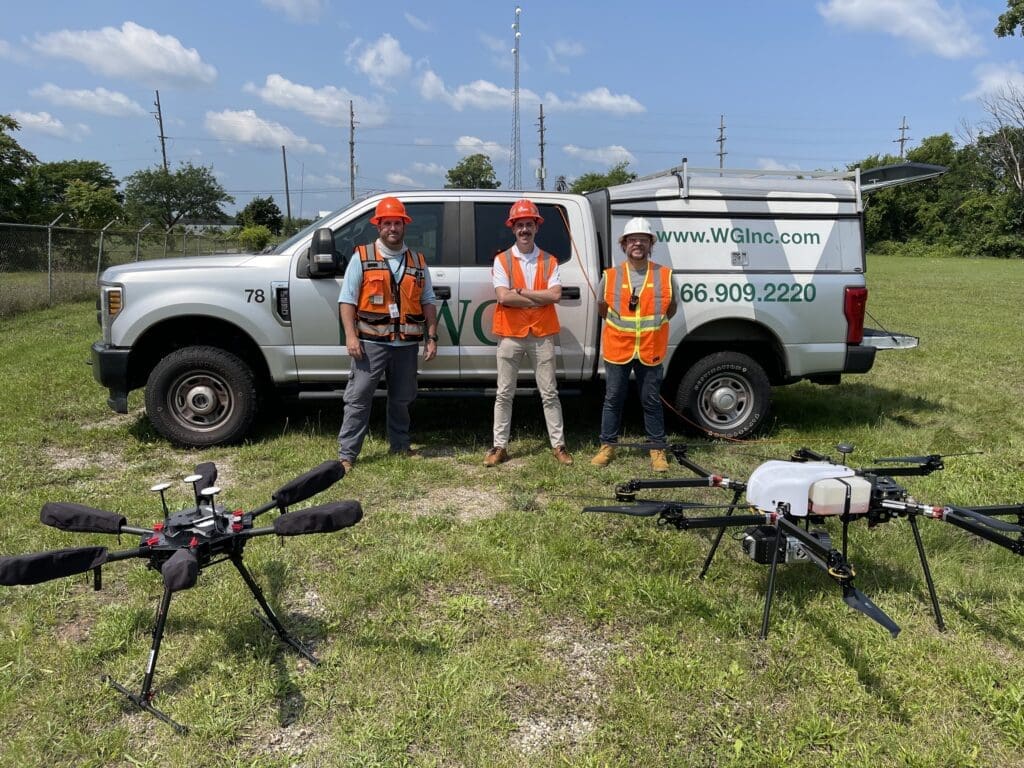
110, 369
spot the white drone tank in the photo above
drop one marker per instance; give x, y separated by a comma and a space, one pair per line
807, 488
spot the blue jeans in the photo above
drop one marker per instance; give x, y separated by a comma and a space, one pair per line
648, 380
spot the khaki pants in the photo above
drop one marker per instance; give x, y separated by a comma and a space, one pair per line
541, 351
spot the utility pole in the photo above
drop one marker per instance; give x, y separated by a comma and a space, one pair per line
721, 142
287, 195
163, 139
542, 171
351, 150
903, 139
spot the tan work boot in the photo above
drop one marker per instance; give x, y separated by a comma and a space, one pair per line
563, 456
659, 461
495, 456
604, 456
345, 465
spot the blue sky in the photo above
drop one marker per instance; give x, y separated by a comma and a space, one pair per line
801, 85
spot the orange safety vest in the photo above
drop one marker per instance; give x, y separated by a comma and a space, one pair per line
522, 321
374, 321
641, 332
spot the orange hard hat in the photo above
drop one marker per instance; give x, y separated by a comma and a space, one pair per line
390, 207
523, 209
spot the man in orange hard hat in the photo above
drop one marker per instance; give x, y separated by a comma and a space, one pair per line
387, 309
527, 286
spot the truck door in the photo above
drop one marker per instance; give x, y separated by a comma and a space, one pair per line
484, 235
317, 334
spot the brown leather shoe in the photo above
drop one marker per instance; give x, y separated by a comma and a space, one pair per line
563, 456
495, 456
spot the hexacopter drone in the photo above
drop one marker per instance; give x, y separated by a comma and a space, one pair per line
183, 544
785, 498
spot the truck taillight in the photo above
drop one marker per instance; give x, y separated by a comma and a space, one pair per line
855, 302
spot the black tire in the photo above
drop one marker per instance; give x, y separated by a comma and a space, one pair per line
726, 394
201, 396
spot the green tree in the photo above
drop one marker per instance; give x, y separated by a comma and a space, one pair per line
617, 174
473, 172
264, 211
1011, 22
90, 205
168, 197
255, 237
46, 185
15, 162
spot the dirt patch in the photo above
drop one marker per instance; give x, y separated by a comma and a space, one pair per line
567, 715
464, 504
65, 460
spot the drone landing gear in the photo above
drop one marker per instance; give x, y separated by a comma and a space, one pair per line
144, 698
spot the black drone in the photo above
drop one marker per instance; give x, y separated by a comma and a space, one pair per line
785, 498
183, 544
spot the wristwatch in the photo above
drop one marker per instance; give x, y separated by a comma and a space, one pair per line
431, 337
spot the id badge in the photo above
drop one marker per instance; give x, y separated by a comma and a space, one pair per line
376, 299
393, 311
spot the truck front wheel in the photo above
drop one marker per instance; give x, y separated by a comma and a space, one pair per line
726, 394
201, 396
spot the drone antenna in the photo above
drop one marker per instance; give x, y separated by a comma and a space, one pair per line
209, 494
160, 488
194, 480
845, 449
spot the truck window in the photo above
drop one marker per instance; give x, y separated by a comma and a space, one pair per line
493, 237
424, 234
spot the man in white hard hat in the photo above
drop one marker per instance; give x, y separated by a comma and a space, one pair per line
637, 301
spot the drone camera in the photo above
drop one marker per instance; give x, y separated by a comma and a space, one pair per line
758, 541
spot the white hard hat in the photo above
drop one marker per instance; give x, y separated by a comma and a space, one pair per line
637, 226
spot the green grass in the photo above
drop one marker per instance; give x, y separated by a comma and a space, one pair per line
25, 291
477, 618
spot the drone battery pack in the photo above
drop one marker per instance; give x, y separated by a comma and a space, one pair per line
828, 497
758, 542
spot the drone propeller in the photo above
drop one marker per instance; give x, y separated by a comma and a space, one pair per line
857, 600
77, 517
325, 518
45, 566
311, 483
929, 459
634, 510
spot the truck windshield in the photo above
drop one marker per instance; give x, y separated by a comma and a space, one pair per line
284, 246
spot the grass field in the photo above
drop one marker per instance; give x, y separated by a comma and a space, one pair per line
476, 617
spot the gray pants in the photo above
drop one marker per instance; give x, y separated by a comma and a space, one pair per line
399, 363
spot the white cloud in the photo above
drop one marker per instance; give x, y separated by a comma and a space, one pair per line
943, 31
771, 164
430, 169
471, 145
246, 127
597, 100
563, 49
994, 78
132, 52
401, 180
381, 61
44, 122
100, 100
417, 23
483, 94
329, 181
299, 11
327, 105
605, 155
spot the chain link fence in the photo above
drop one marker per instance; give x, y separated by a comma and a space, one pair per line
41, 266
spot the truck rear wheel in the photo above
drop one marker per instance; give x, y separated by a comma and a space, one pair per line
726, 394
201, 396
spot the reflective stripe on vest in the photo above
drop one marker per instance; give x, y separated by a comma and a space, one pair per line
519, 322
641, 332
373, 317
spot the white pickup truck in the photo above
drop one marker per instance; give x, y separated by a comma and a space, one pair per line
769, 269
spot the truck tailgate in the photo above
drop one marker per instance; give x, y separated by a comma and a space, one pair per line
886, 340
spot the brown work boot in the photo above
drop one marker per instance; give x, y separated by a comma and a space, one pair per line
604, 456
659, 461
346, 465
495, 456
563, 456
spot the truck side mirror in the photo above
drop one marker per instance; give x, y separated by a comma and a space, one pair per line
323, 261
